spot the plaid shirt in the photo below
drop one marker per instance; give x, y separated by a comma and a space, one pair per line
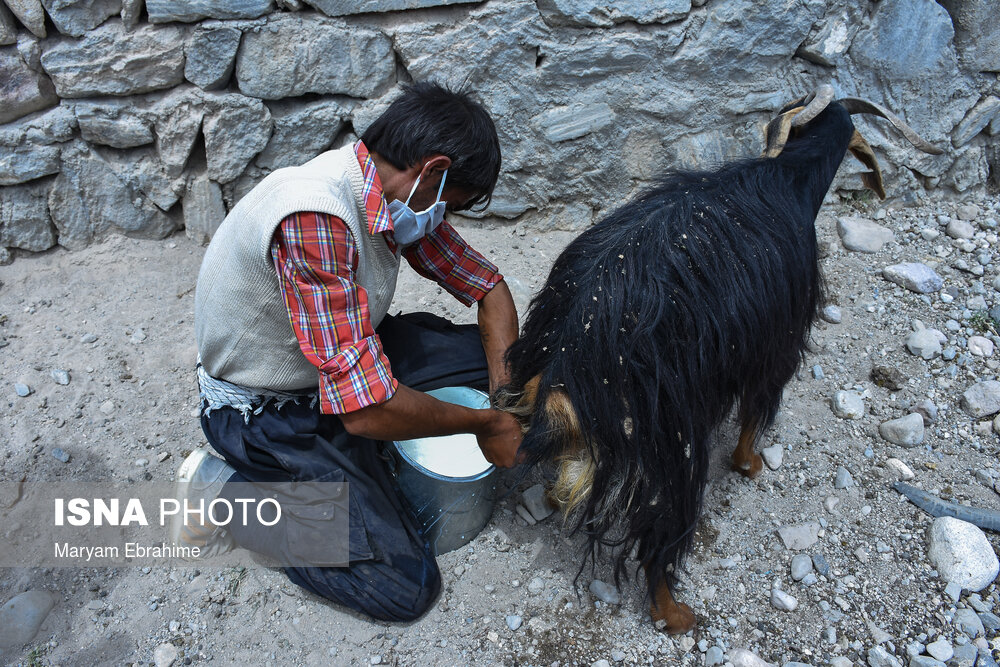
316, 258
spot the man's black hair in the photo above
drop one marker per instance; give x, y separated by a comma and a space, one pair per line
429, 118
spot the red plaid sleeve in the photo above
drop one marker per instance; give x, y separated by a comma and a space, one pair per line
444, 257
316, 257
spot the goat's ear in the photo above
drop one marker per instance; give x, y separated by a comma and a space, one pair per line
860, 149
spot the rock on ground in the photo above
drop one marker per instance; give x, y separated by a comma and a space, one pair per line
962, 554
982, 399
906, 431
22, 616
914, 276
862, 235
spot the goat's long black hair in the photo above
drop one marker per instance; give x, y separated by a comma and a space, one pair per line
658, 320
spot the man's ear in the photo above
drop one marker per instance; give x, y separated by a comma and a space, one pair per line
434, 165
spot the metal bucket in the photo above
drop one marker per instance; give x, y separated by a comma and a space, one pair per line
447, 481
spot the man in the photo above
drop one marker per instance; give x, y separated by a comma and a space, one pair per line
302, 373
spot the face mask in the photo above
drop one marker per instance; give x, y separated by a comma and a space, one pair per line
410, 226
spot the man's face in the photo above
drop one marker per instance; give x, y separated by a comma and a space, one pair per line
457, 198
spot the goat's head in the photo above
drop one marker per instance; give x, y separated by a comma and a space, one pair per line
797, 114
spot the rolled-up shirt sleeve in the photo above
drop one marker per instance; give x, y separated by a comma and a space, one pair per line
316, 257
446, 258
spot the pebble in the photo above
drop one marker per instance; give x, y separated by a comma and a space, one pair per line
605, 592
879, 657
927, 410
925, 343
165, 655
59, 454
799, 536
996, 424
960, 229
741, 657
967, 212
965, 656
953, 591
22, 616
801, 566
949, 353
843, 480
60, 376
906, 431
617, 655
88, 338
600, 663
929, 234
925, 661
523, 512
107, 407
940, 650
772, 456
817, 372
714, 656
138, 337
848, 405
968, 623
830, 503
536, 586
783, 601
514, 622
819, 562
535, 502
980, 346
962, 554
914, 276
861, 235
990, 621
982, 399
899, 469
22, 390
832, 314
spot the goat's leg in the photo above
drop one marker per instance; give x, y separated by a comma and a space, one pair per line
745, 460
668, 615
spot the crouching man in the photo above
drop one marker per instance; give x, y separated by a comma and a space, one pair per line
302, 372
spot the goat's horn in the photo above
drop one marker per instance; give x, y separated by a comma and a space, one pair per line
856, 105
816, 103
777, 131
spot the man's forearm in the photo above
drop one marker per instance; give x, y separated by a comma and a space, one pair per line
413, 414
498, 330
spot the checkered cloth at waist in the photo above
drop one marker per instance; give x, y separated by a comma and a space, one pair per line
216, 393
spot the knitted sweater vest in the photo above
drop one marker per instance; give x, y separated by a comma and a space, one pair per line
241, 324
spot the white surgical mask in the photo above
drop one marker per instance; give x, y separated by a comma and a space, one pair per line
410, 226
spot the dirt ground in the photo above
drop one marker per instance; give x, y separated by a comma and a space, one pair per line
129, 413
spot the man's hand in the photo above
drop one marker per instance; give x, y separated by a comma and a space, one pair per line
500, 439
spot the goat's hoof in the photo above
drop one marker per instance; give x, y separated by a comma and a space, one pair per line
678, 620
749, 469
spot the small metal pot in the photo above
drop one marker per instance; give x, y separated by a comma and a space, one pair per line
449, 484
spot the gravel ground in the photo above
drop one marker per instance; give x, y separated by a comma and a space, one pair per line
118, 317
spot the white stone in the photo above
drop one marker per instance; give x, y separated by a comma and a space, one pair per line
772, 456
165, 655
22, 616
980, 346
899, 469
906, 431
982, 399
940, 650
962, 554
741, 657
914, 276
783, 601
925, 343
848, 405
801, 566
959, 229
879, 657
861, 235
799, 536
605, 592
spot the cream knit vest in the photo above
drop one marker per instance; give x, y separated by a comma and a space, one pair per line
241, 324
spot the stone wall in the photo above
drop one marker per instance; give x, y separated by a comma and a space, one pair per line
146, 117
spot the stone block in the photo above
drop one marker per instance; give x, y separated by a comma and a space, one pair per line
8, 26
203, 207
41, 129
113, 124
144, 173
131, 10
188, 11
178, 121
301, 132
829, 45
908, 42
76, 17
600, 13
22, 89
24, 217
236, 129
346, 7
95, 64
211, 56
977, 32
88, 199
19, 164
30, 13
294, 55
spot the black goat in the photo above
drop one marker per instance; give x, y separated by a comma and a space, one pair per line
655, 322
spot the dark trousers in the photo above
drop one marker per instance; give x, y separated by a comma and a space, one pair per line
392, 574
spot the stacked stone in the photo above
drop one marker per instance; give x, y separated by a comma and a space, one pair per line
142, 118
